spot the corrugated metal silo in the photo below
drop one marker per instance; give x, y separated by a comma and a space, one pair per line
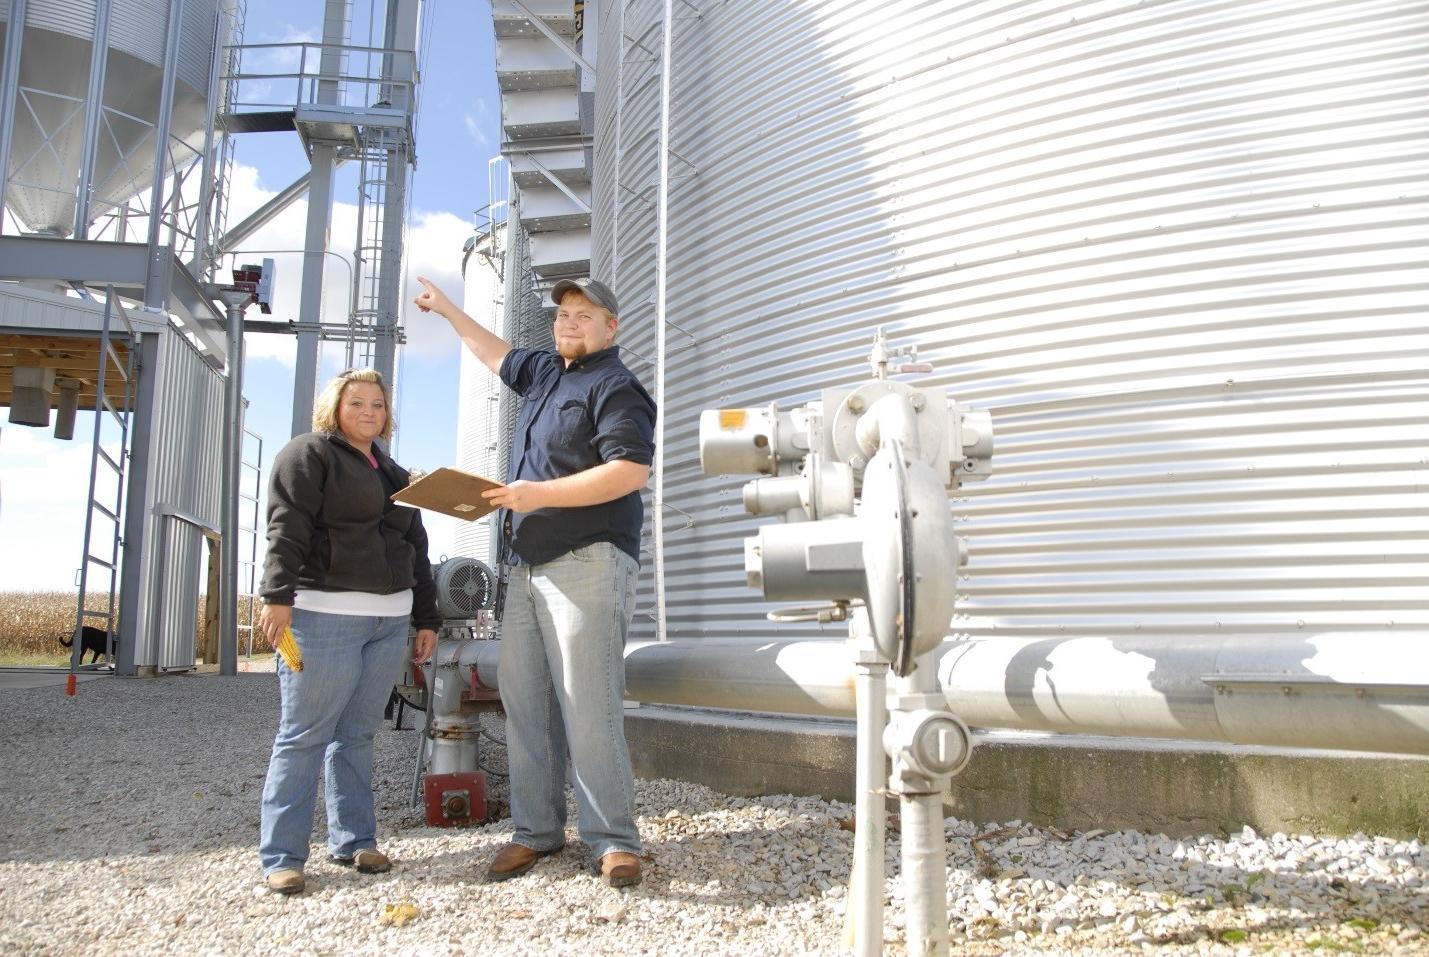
48, 136
1176, 248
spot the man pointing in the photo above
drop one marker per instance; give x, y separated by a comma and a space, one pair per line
580, 454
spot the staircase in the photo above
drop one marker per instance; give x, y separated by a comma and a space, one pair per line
547, 85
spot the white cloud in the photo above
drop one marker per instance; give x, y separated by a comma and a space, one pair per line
433, 248
475, 130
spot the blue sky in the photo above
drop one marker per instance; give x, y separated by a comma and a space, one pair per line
458, 132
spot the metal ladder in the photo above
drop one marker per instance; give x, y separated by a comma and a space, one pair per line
117, 464
247, 623
368, 270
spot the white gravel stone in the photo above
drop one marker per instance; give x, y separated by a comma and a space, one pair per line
129, 822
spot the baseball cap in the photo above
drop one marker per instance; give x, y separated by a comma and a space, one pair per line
593, 289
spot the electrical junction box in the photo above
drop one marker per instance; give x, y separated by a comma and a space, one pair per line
257, 280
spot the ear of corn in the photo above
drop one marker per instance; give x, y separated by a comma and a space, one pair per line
288, 648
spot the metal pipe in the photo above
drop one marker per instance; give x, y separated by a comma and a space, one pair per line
1366, 692
155, 298
9, 93
925, 884
920, 802
265, 214
454, 735
93, 112
615, 144
232, 474
661, 275
865, 908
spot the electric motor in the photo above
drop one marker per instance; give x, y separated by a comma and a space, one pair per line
465, 587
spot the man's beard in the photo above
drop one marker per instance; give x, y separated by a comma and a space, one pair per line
571, 350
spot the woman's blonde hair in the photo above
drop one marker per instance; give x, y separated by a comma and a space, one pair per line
325, 407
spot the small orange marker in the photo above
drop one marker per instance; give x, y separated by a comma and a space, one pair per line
70, 686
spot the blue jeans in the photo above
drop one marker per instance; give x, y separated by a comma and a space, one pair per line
331, 710
562, 681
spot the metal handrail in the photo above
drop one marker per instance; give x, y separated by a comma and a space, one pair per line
395, 72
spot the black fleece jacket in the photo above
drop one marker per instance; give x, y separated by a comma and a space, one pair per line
332, 527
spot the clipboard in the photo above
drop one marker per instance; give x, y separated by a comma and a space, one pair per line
451, 492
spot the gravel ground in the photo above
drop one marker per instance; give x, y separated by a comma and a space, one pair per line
130, 814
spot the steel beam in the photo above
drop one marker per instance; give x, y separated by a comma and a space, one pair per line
202, 239
264, 214
310, 297
9, 92
136, 516
93, 112
154, 297
129, 267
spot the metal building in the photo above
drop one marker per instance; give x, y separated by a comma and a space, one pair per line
117, 120
108, 161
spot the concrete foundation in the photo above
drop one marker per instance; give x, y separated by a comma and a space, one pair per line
1070, 782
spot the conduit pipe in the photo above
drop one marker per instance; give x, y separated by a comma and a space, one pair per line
1363, 692
863, 921
662, 272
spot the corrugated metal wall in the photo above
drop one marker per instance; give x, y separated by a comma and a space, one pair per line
136, 27
1176, 248
184, 467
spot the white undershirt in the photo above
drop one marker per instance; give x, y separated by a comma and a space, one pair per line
399, 603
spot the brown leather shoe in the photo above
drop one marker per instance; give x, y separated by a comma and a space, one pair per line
513, 860
620, 869
369, 860
286, 880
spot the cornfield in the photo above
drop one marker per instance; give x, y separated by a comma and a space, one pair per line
33, 622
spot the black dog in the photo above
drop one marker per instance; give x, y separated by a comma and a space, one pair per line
91, 639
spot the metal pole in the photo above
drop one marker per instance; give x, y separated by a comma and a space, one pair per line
924, 859
399, 66
615, 152
863, 922
323, 160
925, 882
155, 298
305, 376
332, 58
93, 112
9, 93
661, 277
235, 301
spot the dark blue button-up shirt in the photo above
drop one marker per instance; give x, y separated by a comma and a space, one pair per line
574, 419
